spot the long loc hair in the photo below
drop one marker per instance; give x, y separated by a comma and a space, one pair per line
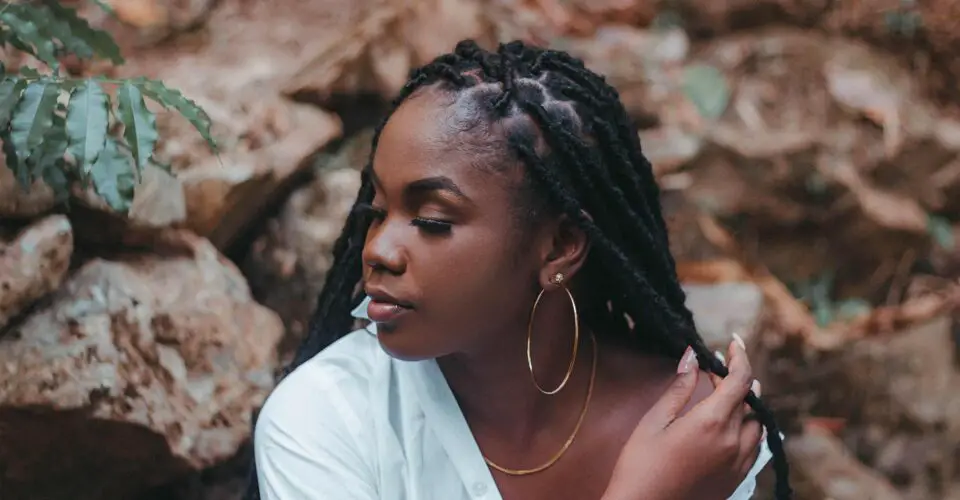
591, 164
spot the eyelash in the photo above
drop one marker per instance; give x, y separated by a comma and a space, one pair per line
432, 226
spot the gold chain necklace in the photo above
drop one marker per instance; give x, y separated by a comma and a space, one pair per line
576, 429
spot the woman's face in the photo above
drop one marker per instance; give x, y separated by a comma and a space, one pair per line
444, 260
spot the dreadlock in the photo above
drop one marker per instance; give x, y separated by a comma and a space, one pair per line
582, 156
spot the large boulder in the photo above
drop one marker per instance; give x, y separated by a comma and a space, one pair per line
140, 369
33, 264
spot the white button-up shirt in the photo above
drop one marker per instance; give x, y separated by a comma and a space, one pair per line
352, 423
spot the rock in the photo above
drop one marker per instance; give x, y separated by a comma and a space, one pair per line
288, 263
825, 469
909, 374
140, 369
641, 64
896, 394
369, 47
33, 264
265, 139
16, 202
723, 309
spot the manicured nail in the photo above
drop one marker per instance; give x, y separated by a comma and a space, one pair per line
739, 340
755, 387
688, 362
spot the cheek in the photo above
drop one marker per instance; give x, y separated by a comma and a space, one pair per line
476, 272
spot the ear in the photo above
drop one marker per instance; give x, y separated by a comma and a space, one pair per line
566, 251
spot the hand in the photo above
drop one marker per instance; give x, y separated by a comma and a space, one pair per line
704, 454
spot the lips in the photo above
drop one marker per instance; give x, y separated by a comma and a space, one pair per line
384, 307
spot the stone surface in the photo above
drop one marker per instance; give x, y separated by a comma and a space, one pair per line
824, 468
15, 202
722, 309
139, 370
33, 264
287, 264
247, 51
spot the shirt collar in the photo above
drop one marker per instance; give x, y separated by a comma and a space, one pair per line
360, 312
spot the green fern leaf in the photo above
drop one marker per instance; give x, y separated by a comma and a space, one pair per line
10, 91
167, 97
62, 31
87, 122
20, 169
100, 41
48, 163
28, 72
25, 22
33, 117
113, 177
8, 37
53, 28
139, 123
54, 144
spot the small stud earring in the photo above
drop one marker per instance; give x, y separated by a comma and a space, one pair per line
558, 279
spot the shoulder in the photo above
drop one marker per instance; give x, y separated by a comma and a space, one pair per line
328, 394
658, 373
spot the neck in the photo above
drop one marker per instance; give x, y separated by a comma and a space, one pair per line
493, 385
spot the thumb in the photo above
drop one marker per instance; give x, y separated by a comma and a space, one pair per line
676, 397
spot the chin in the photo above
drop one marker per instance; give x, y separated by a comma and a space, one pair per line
399, 343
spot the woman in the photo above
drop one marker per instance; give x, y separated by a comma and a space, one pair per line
508, 250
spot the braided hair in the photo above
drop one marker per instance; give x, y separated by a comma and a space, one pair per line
582, 156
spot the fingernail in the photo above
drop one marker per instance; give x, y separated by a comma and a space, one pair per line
688, 362
739, 340
755, 387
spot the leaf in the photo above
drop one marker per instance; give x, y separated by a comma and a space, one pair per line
33, 116
189, 109
10, 155
48, 164
113, 177
707, 88
29, 72
52, 149
61, 30
87, 122
25, 24
941, 232
10, 91
100, 41
139, 123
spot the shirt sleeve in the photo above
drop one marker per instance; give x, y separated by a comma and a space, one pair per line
308, 442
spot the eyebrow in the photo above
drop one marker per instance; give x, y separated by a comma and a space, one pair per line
438, 183
427, 184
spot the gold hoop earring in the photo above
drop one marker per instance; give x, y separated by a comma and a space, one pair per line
557, 280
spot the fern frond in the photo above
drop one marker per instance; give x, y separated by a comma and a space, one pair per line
87, 122
139, 123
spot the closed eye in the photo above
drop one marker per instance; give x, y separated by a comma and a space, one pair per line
432, 226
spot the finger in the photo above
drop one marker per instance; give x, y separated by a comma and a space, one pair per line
755, 388
729, 396
714, 378
672, 402
751, 437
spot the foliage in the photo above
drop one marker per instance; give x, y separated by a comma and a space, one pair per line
67, 131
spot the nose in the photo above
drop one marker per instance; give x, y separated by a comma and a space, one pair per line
383, 249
